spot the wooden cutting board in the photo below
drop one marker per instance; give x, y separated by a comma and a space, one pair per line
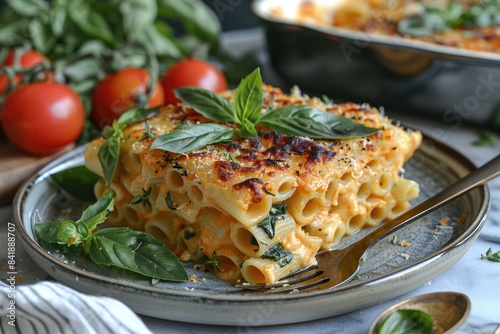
17, 166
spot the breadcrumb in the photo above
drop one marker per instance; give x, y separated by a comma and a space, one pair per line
462, 218
404, 243
444, 221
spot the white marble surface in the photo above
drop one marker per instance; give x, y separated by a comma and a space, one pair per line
475, 277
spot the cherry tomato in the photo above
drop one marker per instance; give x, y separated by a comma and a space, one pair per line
27, 60
42, 117
192, 72
121, 91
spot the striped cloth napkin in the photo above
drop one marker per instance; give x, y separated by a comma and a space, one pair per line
52, 308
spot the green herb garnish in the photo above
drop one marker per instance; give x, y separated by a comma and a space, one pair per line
170, 202
279, 255
119, 247
142, 198
246, 114
407, 322
148, 132
214, 262
494, 257
268, 224
486, 138
435, 19
110, 151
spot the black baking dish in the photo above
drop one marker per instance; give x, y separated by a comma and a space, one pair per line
405, 75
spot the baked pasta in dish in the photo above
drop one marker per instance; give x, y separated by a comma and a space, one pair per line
465, 24
263, 206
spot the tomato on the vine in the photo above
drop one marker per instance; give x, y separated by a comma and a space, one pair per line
121, 91
26, 60
192, 72
42, 117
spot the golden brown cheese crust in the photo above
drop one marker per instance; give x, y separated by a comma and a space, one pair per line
257, 159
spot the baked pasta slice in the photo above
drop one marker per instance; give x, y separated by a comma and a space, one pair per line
262, 205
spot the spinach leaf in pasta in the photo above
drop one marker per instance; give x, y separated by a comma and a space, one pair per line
268, 224
279, 255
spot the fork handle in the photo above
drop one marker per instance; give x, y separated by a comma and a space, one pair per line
476, 178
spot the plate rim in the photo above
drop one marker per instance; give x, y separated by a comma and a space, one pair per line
160, 292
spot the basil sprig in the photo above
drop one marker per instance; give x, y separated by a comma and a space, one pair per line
246, 113
407, 322
119, 247
109, 152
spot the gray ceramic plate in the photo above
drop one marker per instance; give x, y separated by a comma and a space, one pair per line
385, 274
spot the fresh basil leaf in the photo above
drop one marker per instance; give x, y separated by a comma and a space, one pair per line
248, 98
407, 322
136, 114
191, 137
96, 213
90, 21
82, 70
11, 33
279, 255
108, 157
247, 130
207, 103
28, 7
63, 231
161, 44
135, 251
307, 121
137, 15
83, 87
78, 181
198, 19
58, 18
41, 35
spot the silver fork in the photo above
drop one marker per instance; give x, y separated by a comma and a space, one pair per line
335, 267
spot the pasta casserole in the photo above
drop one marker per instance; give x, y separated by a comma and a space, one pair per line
465, 24
262, 206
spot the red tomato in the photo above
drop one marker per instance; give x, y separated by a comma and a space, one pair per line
192, 72
119, 92
42, 117
27, 60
